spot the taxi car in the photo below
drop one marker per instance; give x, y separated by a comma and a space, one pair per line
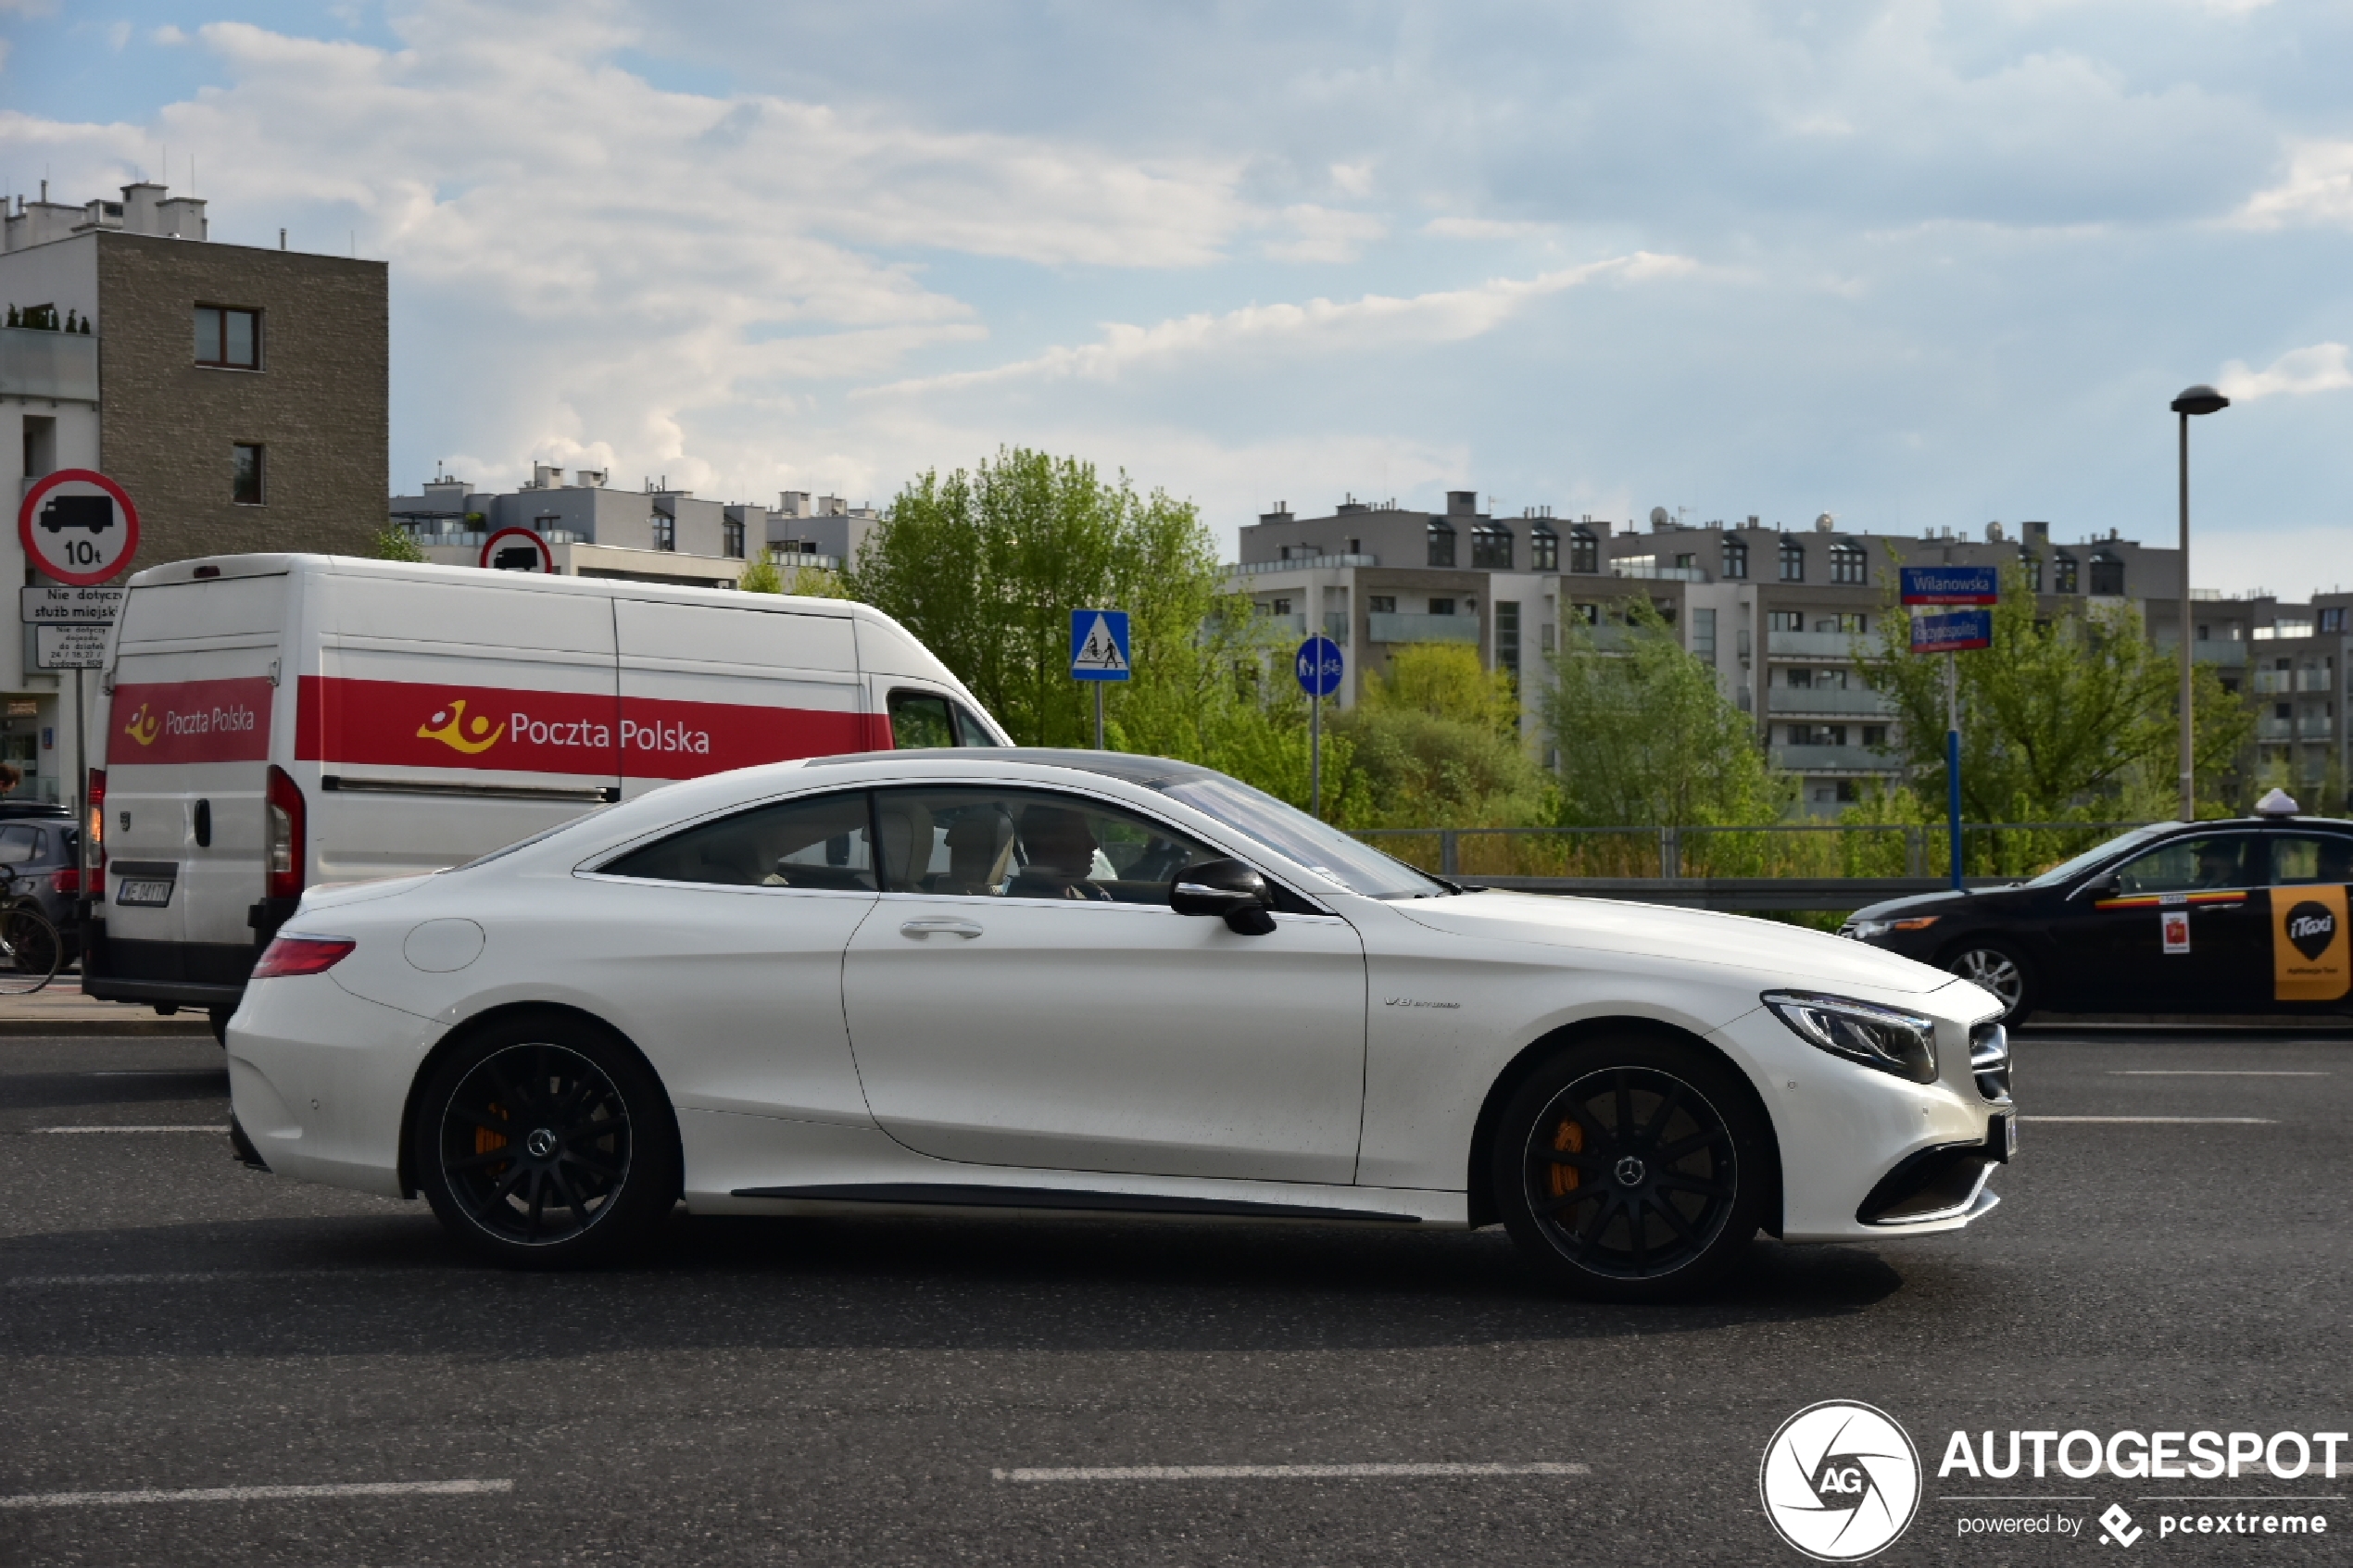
1046, 981
2246, 915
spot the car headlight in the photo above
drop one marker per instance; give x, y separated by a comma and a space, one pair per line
1901, 1043
1872, 930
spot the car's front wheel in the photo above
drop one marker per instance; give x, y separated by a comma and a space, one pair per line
1631, 1169
1994, 967
546, 1142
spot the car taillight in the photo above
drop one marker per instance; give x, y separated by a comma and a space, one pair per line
283, 840
96, 838
66, 880
301, 955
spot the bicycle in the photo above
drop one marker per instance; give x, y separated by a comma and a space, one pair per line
29, 946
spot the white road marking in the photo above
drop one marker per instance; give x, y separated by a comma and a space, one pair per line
190, 1127
1279, 1471
261, 1494
158, 1073
190, 1276
2209, 1073
2169, 1121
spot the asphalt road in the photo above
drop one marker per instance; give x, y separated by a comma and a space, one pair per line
845, 1392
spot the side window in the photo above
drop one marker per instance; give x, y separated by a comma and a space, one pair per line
2296, 858
19, 845
2189, 865
920, 720
822, 843
970, 730
1027, 843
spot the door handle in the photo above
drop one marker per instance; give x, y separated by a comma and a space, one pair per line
930, 924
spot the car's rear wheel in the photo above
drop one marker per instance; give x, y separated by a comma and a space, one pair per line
546, 1142
1631, 1169
1995, 967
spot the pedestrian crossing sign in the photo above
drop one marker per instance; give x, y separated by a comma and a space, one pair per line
1099, 645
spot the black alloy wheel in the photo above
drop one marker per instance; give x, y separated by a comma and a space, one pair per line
1993, 966
1632, 1172
544, 1147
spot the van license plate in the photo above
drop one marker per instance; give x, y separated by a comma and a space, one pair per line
152, 893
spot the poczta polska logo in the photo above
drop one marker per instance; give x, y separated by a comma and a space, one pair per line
1841, 1481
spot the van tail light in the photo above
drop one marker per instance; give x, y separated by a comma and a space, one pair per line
95, 858
301, 955
285, 838
66, 880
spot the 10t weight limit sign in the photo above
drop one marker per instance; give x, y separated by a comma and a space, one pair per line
78, 527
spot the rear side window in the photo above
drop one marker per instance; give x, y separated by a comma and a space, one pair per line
18, 845
822, 843
2296, 858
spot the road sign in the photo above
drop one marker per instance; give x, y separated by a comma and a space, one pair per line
1955, 632
1951, 585
78, 526
1318, 666
69, 648
49, 606
1099, 645
517, 549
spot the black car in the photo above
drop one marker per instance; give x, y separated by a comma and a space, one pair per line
41, 853
2242, 916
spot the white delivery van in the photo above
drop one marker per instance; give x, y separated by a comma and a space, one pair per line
276, 721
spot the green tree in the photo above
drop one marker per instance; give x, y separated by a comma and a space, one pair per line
1646, 738
1435, 742
394, 544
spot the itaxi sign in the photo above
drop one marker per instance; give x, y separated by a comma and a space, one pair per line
406, 725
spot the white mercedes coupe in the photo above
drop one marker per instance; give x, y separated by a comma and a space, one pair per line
1047, 982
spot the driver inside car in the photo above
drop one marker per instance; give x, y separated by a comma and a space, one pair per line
1061, 849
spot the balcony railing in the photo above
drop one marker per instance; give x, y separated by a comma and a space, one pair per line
2316, 726
61, 367
1643, 566
2269, 682
2228, 652
1303, 563
1827, 700
1816, 644
1394, 628
1833, 759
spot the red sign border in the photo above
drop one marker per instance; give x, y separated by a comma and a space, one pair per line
48, 481
545, 553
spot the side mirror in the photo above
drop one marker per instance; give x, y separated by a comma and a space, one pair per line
1225, 888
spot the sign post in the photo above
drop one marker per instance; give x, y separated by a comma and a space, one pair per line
1951, 633
1318, 665
1098, 653
77, 528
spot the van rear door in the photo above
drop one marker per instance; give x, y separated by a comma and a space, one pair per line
706, 687
194, 686
445, 718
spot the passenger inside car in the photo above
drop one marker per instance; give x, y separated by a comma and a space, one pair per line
1059, 849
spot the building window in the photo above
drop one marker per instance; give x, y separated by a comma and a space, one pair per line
1280, 607
1585, 615
1852, 625
1703, 636
245, 474
1441, 606
666, 532
1543, 548
2333, 621
1508, 635
1584, 550
1442, 542
1793, 561
1380, 604
2108, 575
2034, 565
1784, 621
1735, 557
228, 339
1491, 547
1848, 563
2063, 573
732, 538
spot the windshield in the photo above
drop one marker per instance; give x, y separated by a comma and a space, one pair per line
1290, 831
2089, 857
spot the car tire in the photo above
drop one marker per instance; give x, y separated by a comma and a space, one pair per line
544, 1143
1997, 967
1633, 1168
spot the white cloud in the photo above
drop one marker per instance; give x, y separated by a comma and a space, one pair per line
117, 35
1323, 234
1484, 229
2320, 367
167, 35
2319, 189
1373, 321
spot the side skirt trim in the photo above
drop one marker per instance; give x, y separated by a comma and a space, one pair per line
961, 1195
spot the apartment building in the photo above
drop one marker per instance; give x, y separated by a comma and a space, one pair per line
239, 393
1777, 612
655, 534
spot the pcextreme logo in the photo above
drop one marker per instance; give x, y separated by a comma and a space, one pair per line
450, 726
143, 726
1841, 1481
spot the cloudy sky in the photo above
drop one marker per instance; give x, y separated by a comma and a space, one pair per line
1915, 265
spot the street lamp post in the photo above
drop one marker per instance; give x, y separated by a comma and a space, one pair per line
2199, 399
